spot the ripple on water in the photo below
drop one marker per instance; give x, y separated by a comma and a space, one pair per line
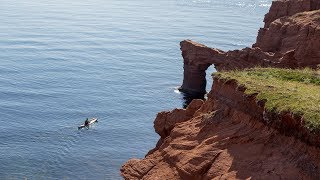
63, 61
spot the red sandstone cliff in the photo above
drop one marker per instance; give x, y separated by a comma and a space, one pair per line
290, 38
229, 136
288, 8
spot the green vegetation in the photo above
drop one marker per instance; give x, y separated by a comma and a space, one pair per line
297, 91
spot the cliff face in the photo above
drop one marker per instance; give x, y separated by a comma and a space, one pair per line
225, 137
198, 57
295, 38
290, 38
288, 8
230, 135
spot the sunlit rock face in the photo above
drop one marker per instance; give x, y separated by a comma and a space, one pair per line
282, 8
226, 136
290, 38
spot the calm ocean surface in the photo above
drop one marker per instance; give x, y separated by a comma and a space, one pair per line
63, 61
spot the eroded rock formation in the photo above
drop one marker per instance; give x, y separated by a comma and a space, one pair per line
290, 38
229, 137
198, 57
284, 8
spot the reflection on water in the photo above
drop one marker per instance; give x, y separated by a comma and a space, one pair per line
61, 61
187, 98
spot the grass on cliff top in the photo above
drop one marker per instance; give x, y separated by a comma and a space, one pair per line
297, 91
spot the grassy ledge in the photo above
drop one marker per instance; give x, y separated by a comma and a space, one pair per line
296, 91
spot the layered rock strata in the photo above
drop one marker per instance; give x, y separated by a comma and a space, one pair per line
282, 8
290, 38
229, 136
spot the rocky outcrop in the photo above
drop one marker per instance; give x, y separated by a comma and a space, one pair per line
295, 38
198, 57
284, 8
230, 136
165, 121
290, 38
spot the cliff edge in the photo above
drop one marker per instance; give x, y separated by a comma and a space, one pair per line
256, 124
289, 39
237, 133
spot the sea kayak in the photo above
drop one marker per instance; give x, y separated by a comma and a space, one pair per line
91, 121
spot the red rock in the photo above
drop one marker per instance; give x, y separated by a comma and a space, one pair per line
298, 34
290, 42
230, 135
232, 141
165, 121
282, 8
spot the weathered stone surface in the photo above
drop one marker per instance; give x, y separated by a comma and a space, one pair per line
282, 8
165, 121
230, 136
227, 141
198, 57
299, 34
289, 42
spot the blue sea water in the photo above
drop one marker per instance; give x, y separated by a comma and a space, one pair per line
64, 60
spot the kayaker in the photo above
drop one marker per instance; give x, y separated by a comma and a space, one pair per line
86, 123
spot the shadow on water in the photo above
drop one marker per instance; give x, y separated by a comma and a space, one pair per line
187, 98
